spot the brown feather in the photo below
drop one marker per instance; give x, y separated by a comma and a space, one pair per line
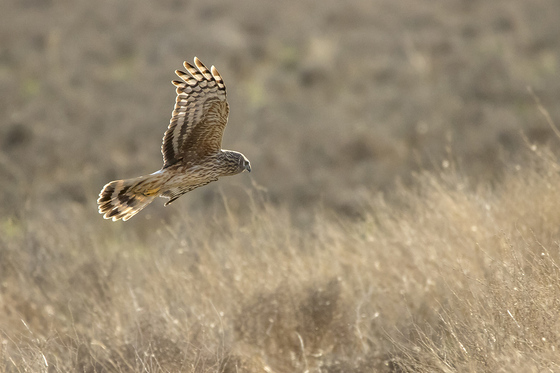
195, 97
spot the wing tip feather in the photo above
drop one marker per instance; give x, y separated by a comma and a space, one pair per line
217, 76
202, 68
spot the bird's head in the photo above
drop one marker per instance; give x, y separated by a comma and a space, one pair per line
244, 164
237, 163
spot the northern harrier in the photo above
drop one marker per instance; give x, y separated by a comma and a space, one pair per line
192, 154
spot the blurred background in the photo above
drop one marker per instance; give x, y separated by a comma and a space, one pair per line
331, 101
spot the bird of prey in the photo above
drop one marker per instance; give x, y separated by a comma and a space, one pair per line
192, 153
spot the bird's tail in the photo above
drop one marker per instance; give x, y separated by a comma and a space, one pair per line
122, 199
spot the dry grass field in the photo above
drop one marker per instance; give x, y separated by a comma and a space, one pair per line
402, 214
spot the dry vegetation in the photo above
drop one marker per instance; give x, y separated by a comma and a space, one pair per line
395, 221
455, 279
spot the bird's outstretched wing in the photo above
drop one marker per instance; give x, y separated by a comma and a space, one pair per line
199, 117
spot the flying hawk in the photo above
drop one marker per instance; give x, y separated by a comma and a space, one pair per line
192, 153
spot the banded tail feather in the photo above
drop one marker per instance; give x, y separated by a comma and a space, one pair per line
122, 199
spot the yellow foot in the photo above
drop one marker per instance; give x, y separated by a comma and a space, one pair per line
151, 192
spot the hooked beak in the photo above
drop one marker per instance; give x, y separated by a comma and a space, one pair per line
248, 167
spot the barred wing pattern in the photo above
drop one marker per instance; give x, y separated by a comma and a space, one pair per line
199, 117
